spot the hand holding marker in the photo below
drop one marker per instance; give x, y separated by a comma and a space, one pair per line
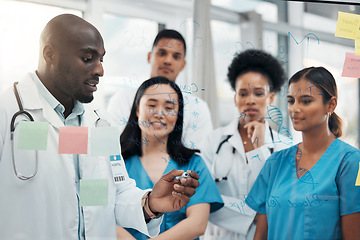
184, 175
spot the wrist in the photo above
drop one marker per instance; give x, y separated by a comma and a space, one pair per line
148, 213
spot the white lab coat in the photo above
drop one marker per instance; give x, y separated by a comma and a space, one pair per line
46, 207
235, 220
197, 118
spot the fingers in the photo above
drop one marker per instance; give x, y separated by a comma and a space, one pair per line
251, 127
193, 174
191, 181
170, 176
188, 191
188, 185
256, 133
183, 199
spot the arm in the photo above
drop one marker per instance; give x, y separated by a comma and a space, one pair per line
192, 226
235, 209
122, 234
350, 226
261, 227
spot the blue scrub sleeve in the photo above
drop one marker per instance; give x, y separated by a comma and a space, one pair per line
257, 197
207, 191
346, 178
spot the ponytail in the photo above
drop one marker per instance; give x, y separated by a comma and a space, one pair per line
325, 81
335, 125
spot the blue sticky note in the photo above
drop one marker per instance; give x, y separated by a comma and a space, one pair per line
105, 141
93, 192
32, 135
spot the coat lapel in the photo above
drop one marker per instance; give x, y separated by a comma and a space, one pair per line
33, 102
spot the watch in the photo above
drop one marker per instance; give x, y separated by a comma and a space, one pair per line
145, 204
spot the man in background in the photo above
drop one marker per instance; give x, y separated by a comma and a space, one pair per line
167, 59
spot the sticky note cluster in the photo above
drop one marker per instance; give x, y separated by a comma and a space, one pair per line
348, 26
104, 141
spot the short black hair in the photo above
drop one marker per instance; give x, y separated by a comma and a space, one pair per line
175, 148
169, 33
253, 60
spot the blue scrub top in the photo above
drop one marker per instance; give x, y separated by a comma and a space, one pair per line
207, 192
309, 207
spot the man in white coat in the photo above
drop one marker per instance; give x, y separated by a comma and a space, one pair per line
167, 59
41, 189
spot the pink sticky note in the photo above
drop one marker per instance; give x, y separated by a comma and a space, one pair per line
73, 140
351, 66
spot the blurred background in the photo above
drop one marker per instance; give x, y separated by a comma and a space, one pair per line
300, 34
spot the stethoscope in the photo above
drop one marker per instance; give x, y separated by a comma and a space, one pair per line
219, 179
12, 129
99, 122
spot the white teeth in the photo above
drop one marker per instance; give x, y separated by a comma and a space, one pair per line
91, 84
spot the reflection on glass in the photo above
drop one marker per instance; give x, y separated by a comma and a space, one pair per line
127, 41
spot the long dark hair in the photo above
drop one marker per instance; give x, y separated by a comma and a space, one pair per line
325, 81
130, 139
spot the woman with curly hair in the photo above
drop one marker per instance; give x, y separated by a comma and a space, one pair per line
236, 153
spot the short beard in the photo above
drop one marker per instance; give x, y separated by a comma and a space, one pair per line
83, 99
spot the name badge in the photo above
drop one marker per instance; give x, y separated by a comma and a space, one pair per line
118, 168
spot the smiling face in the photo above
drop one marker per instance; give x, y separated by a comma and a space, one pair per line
167, 58
157, 111
306, 107
252, 96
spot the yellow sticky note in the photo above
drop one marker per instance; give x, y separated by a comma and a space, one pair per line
357, 183
357, 42
347, 24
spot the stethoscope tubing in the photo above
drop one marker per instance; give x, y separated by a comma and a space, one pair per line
12, 129
216, 179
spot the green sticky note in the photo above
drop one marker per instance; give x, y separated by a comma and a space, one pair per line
94, 192
105, 141
32, 135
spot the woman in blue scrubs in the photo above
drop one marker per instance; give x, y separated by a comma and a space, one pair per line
311, 190
151, 146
